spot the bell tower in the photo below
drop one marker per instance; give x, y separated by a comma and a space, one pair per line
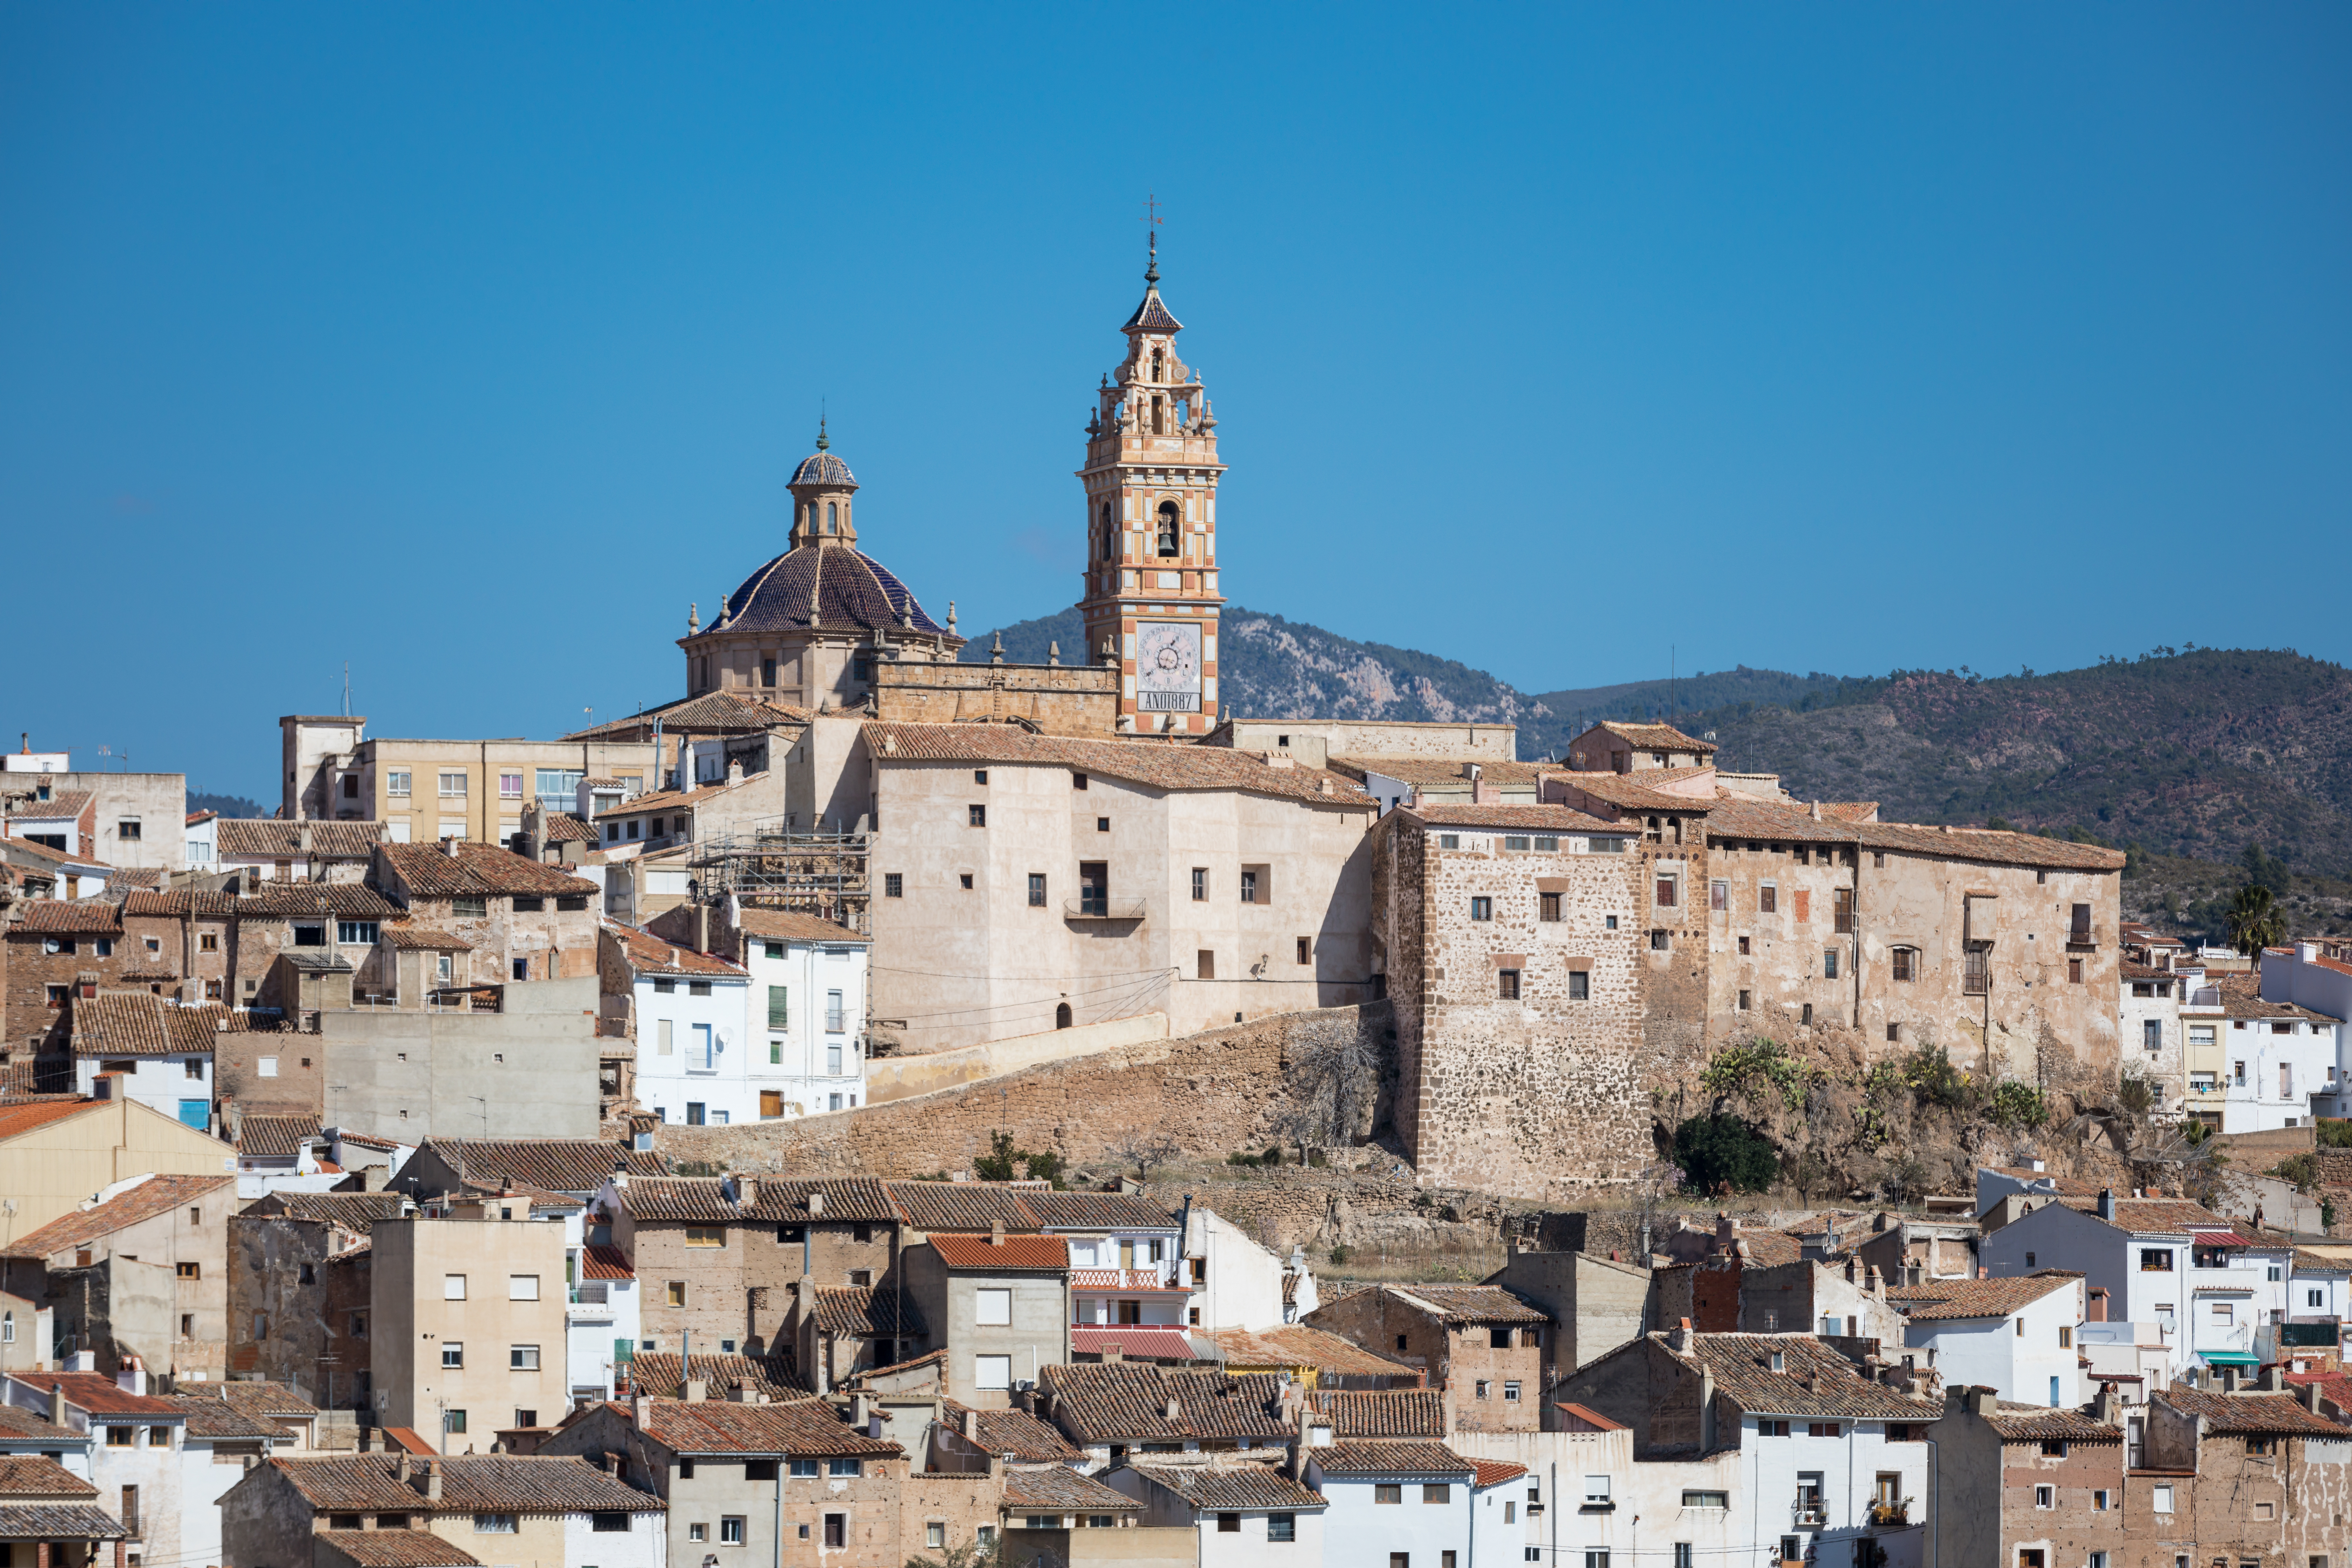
1151, 480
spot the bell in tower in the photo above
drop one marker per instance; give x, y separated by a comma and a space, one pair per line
1151, 482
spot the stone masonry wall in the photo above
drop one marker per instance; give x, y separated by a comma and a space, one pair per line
1212, 1093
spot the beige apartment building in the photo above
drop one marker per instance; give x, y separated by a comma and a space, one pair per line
429, 789
466, 1313
1050, 881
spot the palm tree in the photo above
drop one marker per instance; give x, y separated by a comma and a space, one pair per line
2254, 920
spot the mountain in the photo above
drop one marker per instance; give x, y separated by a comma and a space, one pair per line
2196, 754
226, 804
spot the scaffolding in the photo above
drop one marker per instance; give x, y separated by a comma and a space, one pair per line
774, 867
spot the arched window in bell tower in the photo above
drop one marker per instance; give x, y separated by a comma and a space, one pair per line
1168, 527
1159, 416
1155, 364
1109, 549
833, 517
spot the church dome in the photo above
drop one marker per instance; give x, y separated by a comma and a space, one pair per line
824, 468
845, 586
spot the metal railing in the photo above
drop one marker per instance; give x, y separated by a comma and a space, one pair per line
1102, 907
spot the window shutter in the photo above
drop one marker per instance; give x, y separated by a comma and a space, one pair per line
1804, 900
779, 1008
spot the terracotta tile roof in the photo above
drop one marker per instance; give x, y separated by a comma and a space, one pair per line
18, 1425
1850, 810
395, 1549
416, 936
96, 1393
1301, 1344
1390, 1457
1494, 1472
353, 1211
649, 954
259, 1397
1113, 1401
2040, 1422
1015, 1254
575, 1165
962, 1206
1745, 817
1135, 1341
209, 1415
1396, 1413
711, 713
1097, 1211
1654, 737
1060, 1490
470, 1483
1589, 1419
1525, 818
62, 805
659, 1374
15, 1121
1230, 1488
158, 1195
1466, 1303
2152, 1216
1015, 1433
1154, 765
37, 1475
2241, 998
1426, 772
602, 1260
665, 799
855, 1311
59, 1521
124, 877
270, 838
1953, 1300
2230, 1413
1626, 792
698, 1200
276, 1136
271, 901
430, 871
569, 827
68, 917
805, 1427
138, 1023
1815, 1380
2309, 1262
790, 925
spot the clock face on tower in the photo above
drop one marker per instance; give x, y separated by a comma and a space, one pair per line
1168, 667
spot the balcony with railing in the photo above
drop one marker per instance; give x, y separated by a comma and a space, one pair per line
1091, 906
1891, 1513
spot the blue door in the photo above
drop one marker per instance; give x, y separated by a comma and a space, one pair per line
196, 1113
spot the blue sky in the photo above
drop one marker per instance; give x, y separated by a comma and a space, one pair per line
470, 343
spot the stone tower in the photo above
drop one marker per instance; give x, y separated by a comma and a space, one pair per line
1150, 599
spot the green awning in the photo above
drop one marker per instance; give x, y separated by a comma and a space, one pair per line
2230, 1358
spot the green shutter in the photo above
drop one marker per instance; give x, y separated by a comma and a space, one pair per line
780, 1013
624, 1349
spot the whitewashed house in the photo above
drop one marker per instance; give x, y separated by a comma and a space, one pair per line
2015, 1335
1417, 1497
1246, 1514
1237, 1283
687, 1010
148, 1050
2311, 980
1579, 1496
1126, 1268
1831, 1458
2279, 1060
2136, 1249
600, 1321
806, 1005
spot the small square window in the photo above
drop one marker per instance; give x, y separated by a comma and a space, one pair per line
980, 776
1102, 824
1482, 909
966, 879
978, 815
1507, 985
894, 886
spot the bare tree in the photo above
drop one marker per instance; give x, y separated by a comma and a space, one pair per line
1147, 1153
1335, 1086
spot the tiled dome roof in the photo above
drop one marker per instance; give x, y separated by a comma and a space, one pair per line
852, 589
824, 468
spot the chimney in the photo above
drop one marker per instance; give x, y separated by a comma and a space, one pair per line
696, 1391
432, 1481
970, 1419
816, 1203
1112, 1351
506, 1185
1294, 1463
638, 1410
1982, 1400
996, 1234
2107, 1204
735, 770
1679, 1338
57, 1404
747, 1190
2098, 1308
1175, 1410
400, 1467
2308, 1395
449, 847
1984, 1271
2107, 1406
2273, 1381
745, 1394
859, 1410
1817, 811
2228, 1379
102, 1087
133, 1376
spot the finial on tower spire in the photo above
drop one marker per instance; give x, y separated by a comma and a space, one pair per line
1151, 273
823, 444
1152, 222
